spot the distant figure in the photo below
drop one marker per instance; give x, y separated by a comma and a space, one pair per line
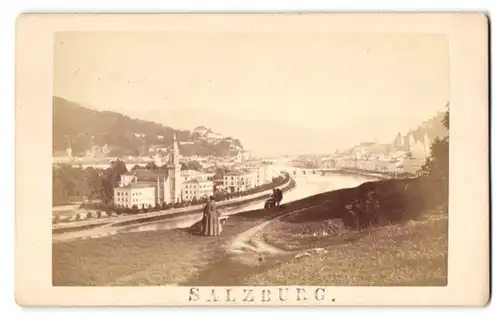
271, 201
357, 211
278, 195
371, 206
210, 223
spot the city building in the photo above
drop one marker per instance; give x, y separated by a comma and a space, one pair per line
197, 189
240, 181
327, 162
97, 151
157, 149
264, 173
134, 195
201, 130
190, 174
61, 157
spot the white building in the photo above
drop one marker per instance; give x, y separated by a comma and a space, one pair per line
157, 149
264, 173
239, 181
196, 189
201, 130
134, 195
192, 174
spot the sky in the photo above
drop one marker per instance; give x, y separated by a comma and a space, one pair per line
306, 92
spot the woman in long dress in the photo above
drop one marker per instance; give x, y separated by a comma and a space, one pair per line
210, 222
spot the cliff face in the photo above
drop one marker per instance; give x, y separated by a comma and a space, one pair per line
433, 128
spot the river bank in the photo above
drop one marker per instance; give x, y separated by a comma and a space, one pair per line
376, 175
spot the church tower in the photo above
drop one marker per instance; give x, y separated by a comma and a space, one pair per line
69, 150
174, 173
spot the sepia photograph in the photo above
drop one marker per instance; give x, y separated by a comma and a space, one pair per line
207, 159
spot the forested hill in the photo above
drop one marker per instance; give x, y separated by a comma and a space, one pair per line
123, 135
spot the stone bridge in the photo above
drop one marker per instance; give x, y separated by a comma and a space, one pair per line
297, 171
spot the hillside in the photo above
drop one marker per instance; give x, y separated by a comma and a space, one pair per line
433, 127
123, 135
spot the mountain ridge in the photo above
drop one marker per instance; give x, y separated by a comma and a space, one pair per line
83, 128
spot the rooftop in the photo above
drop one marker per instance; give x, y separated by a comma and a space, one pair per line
237, 173
149, 175
135, 186
190, 172
197, 181
158, 146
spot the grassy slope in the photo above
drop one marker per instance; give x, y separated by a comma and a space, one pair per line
410, 254
145, 258
407, 253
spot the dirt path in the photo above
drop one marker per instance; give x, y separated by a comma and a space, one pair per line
251, 241
246, 254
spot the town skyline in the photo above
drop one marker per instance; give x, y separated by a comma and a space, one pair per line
378, 85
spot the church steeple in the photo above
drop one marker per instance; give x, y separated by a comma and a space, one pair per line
68, 149
174, 173
175, 152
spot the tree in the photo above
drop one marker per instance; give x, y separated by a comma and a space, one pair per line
446, 118
437, 164
92, 187
220, 171
111, 177
151, 166
194, 165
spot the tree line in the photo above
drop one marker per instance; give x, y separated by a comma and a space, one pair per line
73, 184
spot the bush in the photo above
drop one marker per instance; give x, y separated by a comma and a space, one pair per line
437, 164
89, 215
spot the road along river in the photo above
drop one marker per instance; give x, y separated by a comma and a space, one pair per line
305, 186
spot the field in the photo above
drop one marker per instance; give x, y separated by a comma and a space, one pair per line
309, 241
